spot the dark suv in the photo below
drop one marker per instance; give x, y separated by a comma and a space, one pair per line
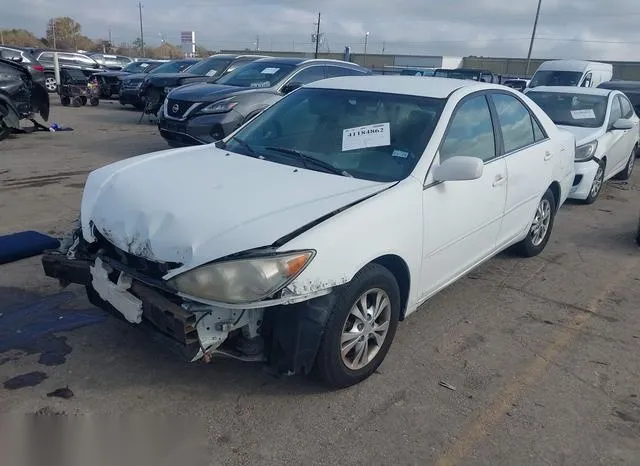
25, 58
73, 60
630, 88
130, 84
202, 113
155, 87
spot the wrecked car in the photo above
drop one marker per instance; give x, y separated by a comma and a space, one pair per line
304, 237
20, 97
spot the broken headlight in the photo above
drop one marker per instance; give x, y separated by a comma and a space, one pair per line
585, 152
244, 280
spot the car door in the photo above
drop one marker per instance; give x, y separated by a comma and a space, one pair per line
462, 218
629, 114
616, 153
528, 154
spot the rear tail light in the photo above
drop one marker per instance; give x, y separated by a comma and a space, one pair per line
38, 68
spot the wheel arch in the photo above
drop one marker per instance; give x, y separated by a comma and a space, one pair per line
400, 270
557, 192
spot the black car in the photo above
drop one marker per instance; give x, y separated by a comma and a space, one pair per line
467, 73
111, 62
630, 88
73, 60
129, 93
155, 88
109, 81
202, 113
25, 58
20, 97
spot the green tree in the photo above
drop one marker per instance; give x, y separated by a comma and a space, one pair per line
63, 32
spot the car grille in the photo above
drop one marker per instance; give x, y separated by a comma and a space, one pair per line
151, 269
177, 108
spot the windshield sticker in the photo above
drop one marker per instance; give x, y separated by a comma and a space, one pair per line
270, 70
261, 84
211, 73
400, 153
366, 136
584, 114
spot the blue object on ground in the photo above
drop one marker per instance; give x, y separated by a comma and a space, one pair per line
25, 244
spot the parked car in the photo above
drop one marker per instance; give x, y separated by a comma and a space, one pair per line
606, 128
467, 73
72, 60
252, 246
111, 62
578, 73
156, 87
20, 97
129, 93
201, 113
109, 81
516, 83
630, 88
26, 59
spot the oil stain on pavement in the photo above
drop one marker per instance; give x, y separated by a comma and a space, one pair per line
32, 326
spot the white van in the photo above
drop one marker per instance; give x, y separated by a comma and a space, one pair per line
572, 73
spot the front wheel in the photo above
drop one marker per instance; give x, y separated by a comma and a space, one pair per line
596, 186
541, 227
360, 329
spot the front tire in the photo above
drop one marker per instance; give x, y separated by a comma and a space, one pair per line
360, 329
540, 230
596, 186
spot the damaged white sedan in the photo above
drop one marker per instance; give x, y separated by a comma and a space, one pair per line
304, 238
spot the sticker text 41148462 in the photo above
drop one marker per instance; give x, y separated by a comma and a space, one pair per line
366, 136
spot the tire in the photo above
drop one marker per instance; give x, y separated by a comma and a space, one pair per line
83, 100
628, 168
94, 101
65, 101
76, 102
371, 282
139, 106
596, 186
534, 243
50, 83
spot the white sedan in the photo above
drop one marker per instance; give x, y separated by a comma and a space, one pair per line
606, 130
305, 237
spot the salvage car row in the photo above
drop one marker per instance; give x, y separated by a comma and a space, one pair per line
369, 195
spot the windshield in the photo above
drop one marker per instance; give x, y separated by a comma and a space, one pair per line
137, 67
367, 135
555, 78
583, 110
172, 67
210, 67
257, 74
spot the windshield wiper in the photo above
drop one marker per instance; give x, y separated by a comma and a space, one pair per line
246, 145
304, 158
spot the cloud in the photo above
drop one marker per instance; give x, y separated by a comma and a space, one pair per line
568, 28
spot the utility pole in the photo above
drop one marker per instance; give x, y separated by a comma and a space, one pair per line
533, 37
317, 36
110, 41
53, 32
1, 37
366, 39
141, 31
257, 43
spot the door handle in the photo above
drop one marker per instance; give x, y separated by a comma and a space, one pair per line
498, 180
548, 155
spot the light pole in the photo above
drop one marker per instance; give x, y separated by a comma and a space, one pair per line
533, 37
366, 39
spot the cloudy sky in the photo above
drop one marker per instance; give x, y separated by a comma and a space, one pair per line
598, 29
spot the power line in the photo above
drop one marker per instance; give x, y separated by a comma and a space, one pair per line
141, 31
317, 36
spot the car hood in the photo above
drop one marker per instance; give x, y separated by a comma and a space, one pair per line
203, 92
583, 135
198, 204
170, 79
112, 73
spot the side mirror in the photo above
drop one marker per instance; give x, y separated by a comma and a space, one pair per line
622, 124
290, 86
458, 169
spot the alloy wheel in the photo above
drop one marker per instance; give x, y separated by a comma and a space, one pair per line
51, 84
541, 222
597, 183
365, 329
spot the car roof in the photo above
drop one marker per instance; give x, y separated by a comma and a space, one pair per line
282, 60
620, 84
572, 90
439, 88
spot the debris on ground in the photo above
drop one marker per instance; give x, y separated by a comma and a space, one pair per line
444, 384
61, 393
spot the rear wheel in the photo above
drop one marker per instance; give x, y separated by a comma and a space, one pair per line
628, 169
65, 101
541, 227
360, 329
94, 101
50, 83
